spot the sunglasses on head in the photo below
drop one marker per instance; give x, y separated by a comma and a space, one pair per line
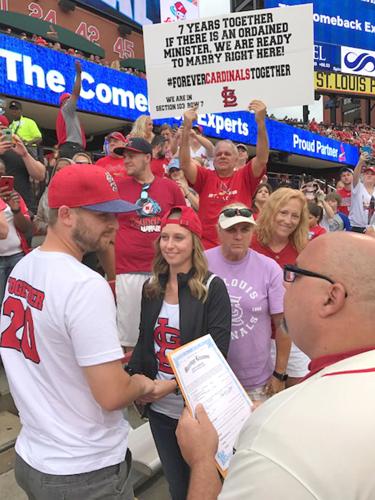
232, 212
144, 192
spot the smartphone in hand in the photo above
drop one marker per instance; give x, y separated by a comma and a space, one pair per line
7, 181
7, 133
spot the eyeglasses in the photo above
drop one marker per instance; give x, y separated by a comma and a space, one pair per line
291, 272
232, 212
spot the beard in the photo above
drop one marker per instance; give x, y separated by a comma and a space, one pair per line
85, 240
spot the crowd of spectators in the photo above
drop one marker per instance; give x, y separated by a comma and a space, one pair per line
53, 43
159, 273
360, 135
192, 207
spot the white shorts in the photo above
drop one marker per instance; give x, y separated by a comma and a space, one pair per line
297, 363
129, 296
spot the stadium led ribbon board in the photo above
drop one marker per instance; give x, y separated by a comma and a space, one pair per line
344, 83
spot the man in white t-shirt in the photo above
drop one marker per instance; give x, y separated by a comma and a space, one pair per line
314, 440
61, 353
361, 214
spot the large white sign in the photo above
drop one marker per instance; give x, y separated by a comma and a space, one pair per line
222, 63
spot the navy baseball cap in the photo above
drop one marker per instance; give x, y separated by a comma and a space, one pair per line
135, 145
346, 169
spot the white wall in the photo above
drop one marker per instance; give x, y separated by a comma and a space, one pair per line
209, 8
316, 111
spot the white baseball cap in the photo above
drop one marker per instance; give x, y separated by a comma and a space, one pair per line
231, 216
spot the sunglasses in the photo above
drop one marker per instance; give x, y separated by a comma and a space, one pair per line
144, 192
232, 212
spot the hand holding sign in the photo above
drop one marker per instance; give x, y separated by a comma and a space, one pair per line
190, 116
259, 109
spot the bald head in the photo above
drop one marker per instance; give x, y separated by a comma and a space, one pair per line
327, 316
345, 257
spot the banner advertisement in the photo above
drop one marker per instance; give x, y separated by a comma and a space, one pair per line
41, 75
341, 27
357, 61
222, 63
339, 22
185, 10
346, 83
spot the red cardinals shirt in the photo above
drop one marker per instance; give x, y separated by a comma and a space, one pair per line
346, 200
115, 166
138, 230
216, 192
316, 231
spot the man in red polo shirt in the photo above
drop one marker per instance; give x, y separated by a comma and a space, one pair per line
224, 185
346, 177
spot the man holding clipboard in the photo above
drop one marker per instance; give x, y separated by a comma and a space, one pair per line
313, 440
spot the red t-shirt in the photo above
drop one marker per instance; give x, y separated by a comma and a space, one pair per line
215, 192
316, 231
158, 166
25, 211
114, 165
138, 230
288, 255
346, 200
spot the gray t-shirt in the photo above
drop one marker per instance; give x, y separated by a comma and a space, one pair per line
73, 127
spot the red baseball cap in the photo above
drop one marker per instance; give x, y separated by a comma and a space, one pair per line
4, 121
188, 219
86, 186
64, 97
198, 127
116, 135
370, 168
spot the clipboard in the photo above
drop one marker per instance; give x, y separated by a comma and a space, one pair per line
204, 376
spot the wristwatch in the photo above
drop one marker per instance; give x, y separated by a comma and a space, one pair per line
17, 211
280, 376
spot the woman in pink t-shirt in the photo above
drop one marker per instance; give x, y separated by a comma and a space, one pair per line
281, 234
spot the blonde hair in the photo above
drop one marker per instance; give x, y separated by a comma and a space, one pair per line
275, 202
139, 128
160, 266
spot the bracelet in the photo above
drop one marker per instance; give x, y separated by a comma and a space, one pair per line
280, 376
15, 212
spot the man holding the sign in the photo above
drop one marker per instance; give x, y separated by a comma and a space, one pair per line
224, 185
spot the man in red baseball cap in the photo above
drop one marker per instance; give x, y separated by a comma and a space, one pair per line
113, 162
67, 356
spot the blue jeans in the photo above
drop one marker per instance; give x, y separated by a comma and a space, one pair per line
176, 470
6, 266
109, 483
